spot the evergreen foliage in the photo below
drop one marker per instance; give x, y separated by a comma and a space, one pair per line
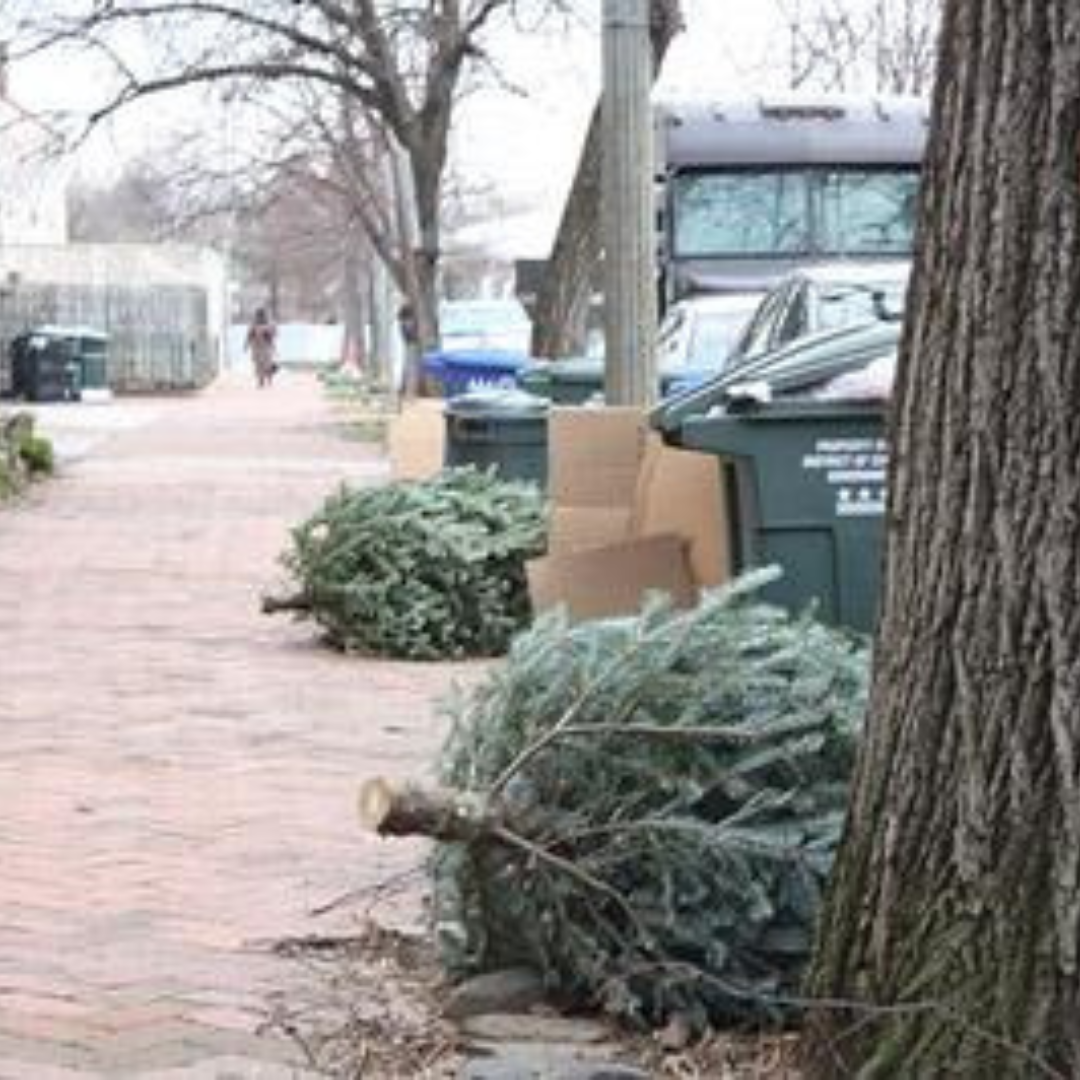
673, 788
24, 455
421, 570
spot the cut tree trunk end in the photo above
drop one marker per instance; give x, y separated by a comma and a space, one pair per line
391, 809
273, 605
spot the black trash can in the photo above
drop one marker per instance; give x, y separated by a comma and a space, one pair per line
46, 367
506, 429
806, 485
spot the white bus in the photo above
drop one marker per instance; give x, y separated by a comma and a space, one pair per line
754, 188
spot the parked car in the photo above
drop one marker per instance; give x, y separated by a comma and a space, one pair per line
820, 299
699, 334
482, 325
693, 345
813, 366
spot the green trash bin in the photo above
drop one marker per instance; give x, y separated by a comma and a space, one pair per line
580, 380
44, 368
92, 352
504, 429
806, 491
86, 351
564, 382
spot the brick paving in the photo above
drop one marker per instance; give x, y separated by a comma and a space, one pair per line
177, 771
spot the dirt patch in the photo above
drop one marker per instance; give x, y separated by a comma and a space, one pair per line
374, 1008
726, 1056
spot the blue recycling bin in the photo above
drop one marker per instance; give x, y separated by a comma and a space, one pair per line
460, 372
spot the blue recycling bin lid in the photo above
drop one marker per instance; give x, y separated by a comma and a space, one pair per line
477, 361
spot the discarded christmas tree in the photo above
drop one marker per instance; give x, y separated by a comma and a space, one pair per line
645, 810
422, 570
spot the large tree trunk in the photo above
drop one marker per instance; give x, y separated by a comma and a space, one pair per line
957, 890
570, 278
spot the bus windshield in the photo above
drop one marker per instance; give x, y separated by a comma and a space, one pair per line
794, 211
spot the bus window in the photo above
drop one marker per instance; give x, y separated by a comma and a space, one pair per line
868, 212
740, 213
793, 212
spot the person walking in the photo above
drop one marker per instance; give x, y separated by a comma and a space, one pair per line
261, 342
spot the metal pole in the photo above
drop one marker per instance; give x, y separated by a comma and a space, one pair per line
628, 206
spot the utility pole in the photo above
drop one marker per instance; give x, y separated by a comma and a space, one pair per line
628, 206
403, 194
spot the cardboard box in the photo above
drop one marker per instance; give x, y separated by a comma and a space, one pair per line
594, 456
579, 528
613, 580
629, 516
681, 492
416, 440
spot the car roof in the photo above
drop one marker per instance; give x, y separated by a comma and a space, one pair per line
508, 303
743, 301
855, 273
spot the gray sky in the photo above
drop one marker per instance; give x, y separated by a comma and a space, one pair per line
524, 144
528, 144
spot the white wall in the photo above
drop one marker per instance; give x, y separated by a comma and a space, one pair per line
297, 343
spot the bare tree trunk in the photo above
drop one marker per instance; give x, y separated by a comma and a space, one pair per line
354, 297
570, 278
381, 306
955, 901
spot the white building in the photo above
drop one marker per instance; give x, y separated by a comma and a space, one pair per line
33, 177
163, 305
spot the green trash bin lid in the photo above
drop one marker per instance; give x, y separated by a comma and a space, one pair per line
797, 369
500, 404
579, 370
87, 337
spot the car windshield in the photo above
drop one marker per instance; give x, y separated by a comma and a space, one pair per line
483, 317
714, 336
794, 211
842, 305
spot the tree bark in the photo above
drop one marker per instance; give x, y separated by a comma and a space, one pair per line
571, 276
354, 298
956, 896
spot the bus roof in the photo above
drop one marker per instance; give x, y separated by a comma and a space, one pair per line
792, 130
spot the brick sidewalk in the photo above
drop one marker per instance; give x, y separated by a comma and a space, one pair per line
177, 772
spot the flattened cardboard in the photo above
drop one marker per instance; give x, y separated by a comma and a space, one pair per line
682, 493
612, 580
417, 440
579, 528
594, 455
